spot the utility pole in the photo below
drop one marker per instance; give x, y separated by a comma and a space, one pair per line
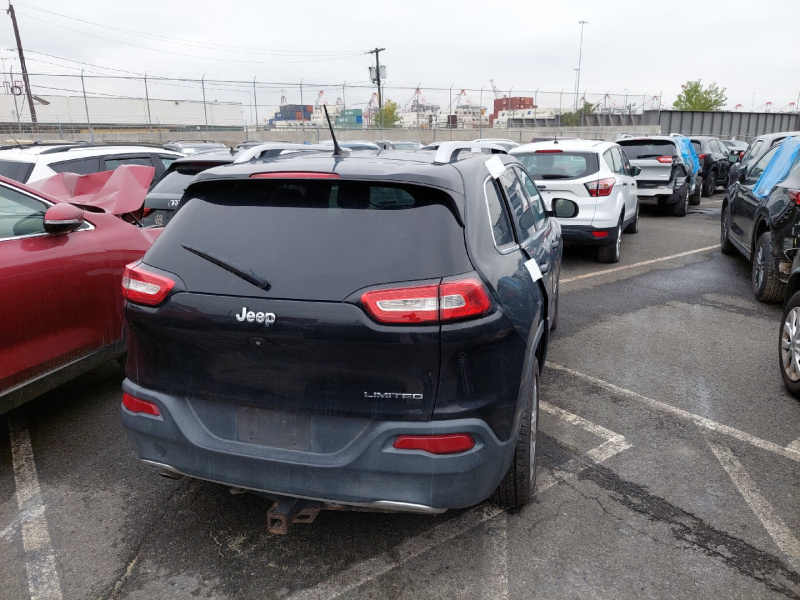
578, 83
10, 11
377, 53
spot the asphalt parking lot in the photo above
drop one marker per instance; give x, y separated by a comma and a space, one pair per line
669, 468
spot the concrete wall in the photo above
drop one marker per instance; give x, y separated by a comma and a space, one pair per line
425, 136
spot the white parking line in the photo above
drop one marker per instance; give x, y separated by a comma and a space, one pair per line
639, 264
774, 525
703, 422
794, 446
496, 585
374, 567
43, 581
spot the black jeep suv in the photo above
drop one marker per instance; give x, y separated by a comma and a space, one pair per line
364, 329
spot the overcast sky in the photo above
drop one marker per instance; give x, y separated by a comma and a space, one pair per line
640, 48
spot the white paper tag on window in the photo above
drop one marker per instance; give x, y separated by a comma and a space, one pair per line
533, 269
495, 166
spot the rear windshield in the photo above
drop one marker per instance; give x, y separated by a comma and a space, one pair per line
18, 171
310, 239
177, 180
560, 165
638, 149
698, 147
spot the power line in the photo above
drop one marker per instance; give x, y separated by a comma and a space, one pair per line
313, 56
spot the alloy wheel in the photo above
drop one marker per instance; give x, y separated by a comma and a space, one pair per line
759, 267
790, 344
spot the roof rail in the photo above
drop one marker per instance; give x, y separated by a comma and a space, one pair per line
448, 151
78, 146
256, 151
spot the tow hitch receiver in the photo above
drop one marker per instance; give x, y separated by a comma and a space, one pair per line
287, 510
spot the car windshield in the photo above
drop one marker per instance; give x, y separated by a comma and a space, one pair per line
560, 165
639, 149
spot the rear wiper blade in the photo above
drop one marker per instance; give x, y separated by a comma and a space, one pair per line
648, 156
555, 176
231, 267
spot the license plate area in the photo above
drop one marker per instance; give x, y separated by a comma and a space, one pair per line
277, 429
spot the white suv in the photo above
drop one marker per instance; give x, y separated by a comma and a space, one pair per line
598, 177
32, 162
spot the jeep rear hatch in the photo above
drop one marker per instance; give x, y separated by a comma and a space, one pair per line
271, 274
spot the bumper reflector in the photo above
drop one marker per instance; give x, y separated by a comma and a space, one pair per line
137, 405
436, 444
600, 234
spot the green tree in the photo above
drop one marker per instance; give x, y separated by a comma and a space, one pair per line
573, 119
388, 115
694, 96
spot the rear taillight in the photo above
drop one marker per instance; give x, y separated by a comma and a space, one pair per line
403, 305
137, 405
147, 211
143, 287
462, 299
701, 156
794, 196
449, 301
436, 444
665, 159
601, 187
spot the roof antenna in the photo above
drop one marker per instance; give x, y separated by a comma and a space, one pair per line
337, 150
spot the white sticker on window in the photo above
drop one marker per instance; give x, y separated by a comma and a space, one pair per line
495, 166
533, 269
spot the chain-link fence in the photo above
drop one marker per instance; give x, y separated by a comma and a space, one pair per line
76, 105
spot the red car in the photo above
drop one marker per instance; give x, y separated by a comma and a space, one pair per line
61, 265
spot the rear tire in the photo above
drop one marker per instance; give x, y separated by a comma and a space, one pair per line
634, 226
766, 286
610, 253
789, 346
709, 184
694, 199
519, 484
725, 244
681, 206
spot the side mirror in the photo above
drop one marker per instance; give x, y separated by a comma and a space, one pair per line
742, 176
563, 209
62, 218
635, 171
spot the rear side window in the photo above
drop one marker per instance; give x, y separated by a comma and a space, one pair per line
560, 165
311, 239
81, 166
759, 167
519, 205
752, 149
498, 216
642, 149
18, 171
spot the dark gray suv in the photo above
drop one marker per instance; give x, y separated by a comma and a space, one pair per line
366, 329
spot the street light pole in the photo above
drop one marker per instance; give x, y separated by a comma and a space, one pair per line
580, 54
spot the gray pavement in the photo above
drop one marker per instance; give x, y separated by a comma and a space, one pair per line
669, 468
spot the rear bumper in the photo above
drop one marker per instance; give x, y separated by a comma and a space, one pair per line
584, 235
347, 460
